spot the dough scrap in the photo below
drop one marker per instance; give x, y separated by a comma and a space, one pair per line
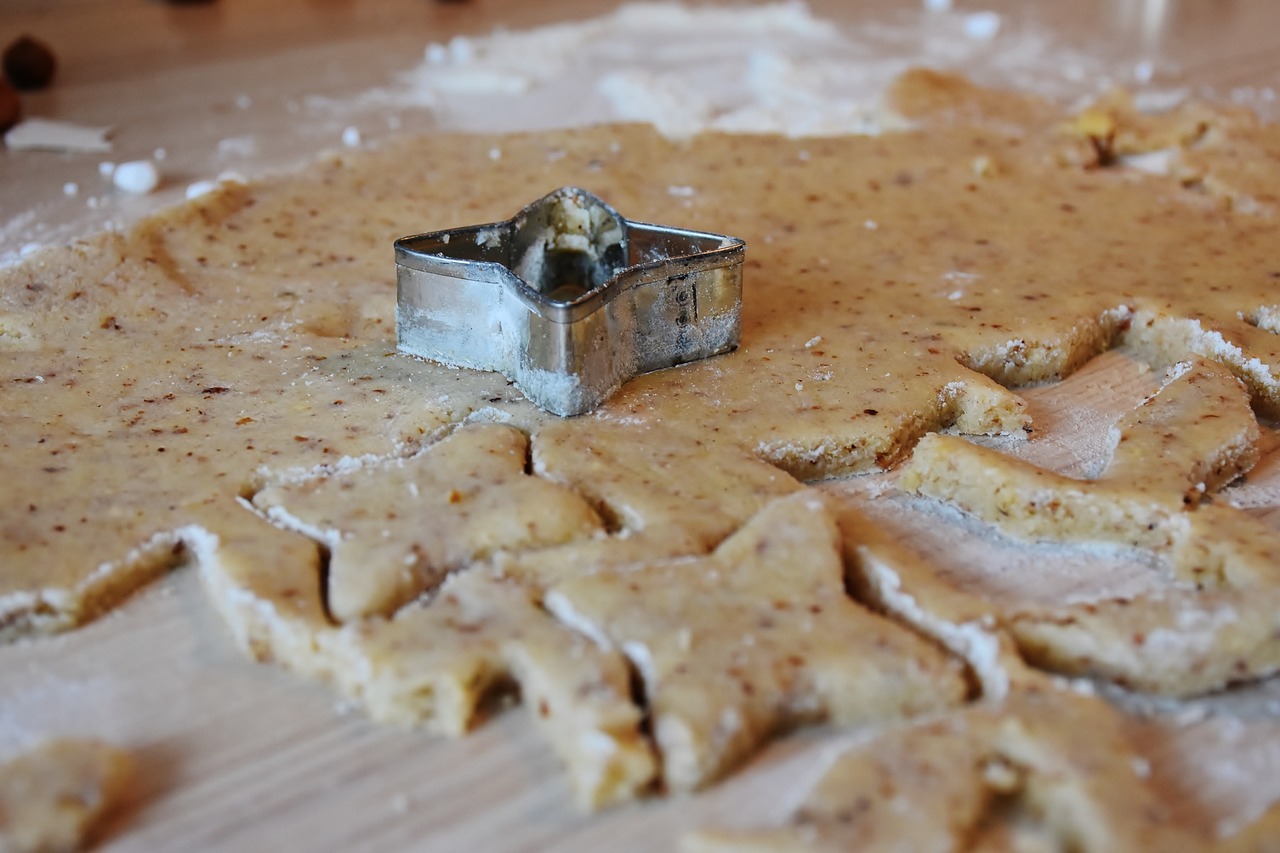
662, 493
653, 481
756, 637
984, 777
1242, 345
433, 662
395, 530
1194, 435
1182, 643
1032, 503
53, 796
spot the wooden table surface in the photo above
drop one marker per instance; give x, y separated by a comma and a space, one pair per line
238, 756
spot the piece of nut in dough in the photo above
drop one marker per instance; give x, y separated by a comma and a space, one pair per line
52, 796
758, 636
1116, 127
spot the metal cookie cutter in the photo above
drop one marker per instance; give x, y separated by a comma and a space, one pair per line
568, 300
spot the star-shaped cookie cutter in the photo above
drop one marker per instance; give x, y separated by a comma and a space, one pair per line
568, 299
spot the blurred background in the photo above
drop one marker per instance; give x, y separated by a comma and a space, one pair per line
234, 88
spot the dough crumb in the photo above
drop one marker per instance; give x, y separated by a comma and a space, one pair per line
52, 797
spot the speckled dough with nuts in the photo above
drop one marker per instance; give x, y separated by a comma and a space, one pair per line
219, 386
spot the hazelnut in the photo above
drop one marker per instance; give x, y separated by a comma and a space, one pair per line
29, 64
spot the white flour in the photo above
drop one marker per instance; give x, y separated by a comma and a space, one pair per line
773, 68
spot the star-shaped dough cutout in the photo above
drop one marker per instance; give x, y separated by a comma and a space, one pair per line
756, 637
397, 528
